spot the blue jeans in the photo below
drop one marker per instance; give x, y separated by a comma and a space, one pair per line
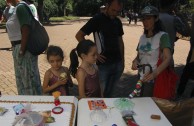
109, 75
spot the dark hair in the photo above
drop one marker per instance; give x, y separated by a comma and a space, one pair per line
54, 51
158, 26
83, 47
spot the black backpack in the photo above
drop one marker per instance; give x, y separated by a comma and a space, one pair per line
38, 39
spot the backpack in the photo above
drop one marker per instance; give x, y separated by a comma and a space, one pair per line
38, 39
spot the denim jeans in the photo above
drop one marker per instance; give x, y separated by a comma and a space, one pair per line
109, 75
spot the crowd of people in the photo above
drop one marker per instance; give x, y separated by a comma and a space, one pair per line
102, 61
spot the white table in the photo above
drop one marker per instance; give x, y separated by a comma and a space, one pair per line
7, 119
144, 108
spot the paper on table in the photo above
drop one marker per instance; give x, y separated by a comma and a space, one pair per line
96, 103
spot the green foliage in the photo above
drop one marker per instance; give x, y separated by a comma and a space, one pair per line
69, 6
91, 7
50, 8
61, 19
87, 7
2, 5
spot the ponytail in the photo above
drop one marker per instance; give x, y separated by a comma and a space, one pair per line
83, 47
73, 62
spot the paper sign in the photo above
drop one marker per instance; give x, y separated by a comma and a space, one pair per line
96, 103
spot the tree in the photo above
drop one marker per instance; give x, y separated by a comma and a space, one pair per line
40, 10
68, 7
87, 7
2, 7
50, 8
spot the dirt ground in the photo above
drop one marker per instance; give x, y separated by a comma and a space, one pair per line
63, 35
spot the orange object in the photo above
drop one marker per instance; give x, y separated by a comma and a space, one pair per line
56, 94
96, 103
155, 117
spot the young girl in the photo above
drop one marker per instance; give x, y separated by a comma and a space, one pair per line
57, 78
152, 44
87, 73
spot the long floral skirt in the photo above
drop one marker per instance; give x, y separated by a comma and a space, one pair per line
26, 72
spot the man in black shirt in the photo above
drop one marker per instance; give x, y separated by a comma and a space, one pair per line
188, 71
107, 30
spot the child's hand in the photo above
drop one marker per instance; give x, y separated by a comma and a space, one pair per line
149, 76
134, 65
62, 81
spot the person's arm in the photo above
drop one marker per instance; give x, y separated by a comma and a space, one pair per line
46, 87
122, 51
87, 29
135, 63
166, 58
25, 31
69, 77
24, 18
121, 43
165, 63
2, 19
80, 35
80, 76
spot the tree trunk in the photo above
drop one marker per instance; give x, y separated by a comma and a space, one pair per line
40, 10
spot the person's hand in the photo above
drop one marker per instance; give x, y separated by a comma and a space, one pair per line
134, 64
101, 58
62, 81
149, 76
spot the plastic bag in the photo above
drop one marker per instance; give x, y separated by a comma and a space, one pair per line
179, 113
165, 83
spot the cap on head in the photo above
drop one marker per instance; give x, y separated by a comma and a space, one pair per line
150, 10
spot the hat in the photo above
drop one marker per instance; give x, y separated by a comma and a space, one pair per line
150, 10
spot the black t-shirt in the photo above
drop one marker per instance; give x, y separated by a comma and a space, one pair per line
106, 34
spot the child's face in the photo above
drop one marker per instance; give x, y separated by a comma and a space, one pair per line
91, 57
148, 22
55, 61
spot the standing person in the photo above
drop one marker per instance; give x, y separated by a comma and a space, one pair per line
188, 71
87, 73
135, 18
172, 24
107, 30
129, 16
152, 44
54, 80
8, 11
25, 64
